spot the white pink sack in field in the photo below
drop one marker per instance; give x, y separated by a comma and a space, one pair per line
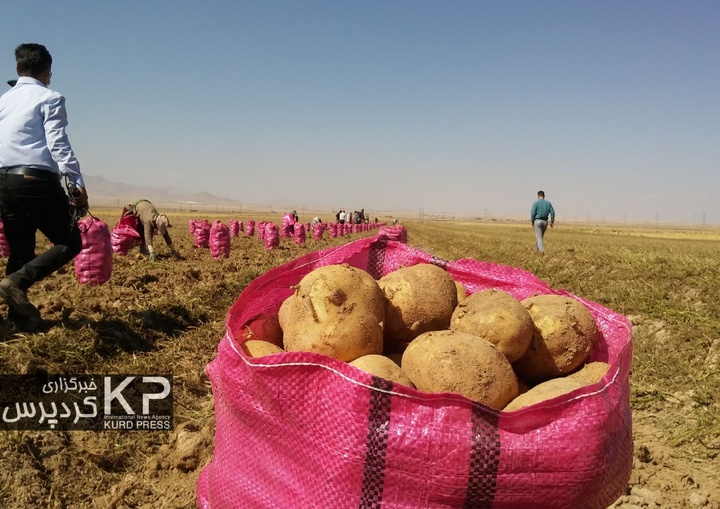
299, 234
235, 228
261, 230
318, 230
125, 236
93, 265
4, 246
299, 429
332, 230
287, 225
219, 240
202, 233
272, 235
250, 228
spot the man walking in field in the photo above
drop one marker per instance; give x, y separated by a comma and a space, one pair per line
35, 154
541, 211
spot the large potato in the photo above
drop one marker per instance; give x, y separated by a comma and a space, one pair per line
336, 310
450, 361
498, 317
591, 373
418, 299
565, 335
382, 366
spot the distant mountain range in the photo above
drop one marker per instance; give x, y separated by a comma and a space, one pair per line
103, 192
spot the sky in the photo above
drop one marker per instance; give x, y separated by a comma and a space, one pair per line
451, 106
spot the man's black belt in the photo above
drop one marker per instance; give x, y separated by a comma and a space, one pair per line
25, 170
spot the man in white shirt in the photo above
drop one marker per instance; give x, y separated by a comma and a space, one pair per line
35, 154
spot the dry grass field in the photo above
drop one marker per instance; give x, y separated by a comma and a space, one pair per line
170, 315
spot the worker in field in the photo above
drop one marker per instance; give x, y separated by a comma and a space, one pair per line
541, 213
35, 154
149, 219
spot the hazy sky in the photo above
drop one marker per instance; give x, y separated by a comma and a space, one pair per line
611, 107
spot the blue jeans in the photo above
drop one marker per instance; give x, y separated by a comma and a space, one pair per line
540, 227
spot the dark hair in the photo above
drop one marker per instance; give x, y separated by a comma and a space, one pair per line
32, 59
541, 193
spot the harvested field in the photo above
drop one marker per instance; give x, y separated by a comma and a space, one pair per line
169, 316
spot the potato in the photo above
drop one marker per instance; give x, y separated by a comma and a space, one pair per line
565, 334
258, 348
591, 373
451, 361
263, 328
544, 391
336, 310
461, 292
382, 366
418, 299
498, 317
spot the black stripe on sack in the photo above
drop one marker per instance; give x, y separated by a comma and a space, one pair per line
439, 262
484, 459
376, 258
376, 445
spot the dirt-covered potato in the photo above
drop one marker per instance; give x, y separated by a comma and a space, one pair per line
418, 299
498, 317
336, 310
382, 366
450, 361
565, 334
258, 348
589, 374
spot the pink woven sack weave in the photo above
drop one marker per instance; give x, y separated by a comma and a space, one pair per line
4, 246
93, 264
302, 430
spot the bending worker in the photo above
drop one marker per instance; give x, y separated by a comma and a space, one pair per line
149, 219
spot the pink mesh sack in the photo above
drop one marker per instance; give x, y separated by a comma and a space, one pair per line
201, 233
235, 227
4, 246
272, 235
299, 233
93, 265
318, 230
287, 225
302, 430
219, 240
250, 228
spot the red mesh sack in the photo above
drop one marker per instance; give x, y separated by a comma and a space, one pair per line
272, 235
201, 233
303, 430
287, 225
219, 240
299, 233
125, 235
250, 228
4, 246
93, 264
235, 227
318, 230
